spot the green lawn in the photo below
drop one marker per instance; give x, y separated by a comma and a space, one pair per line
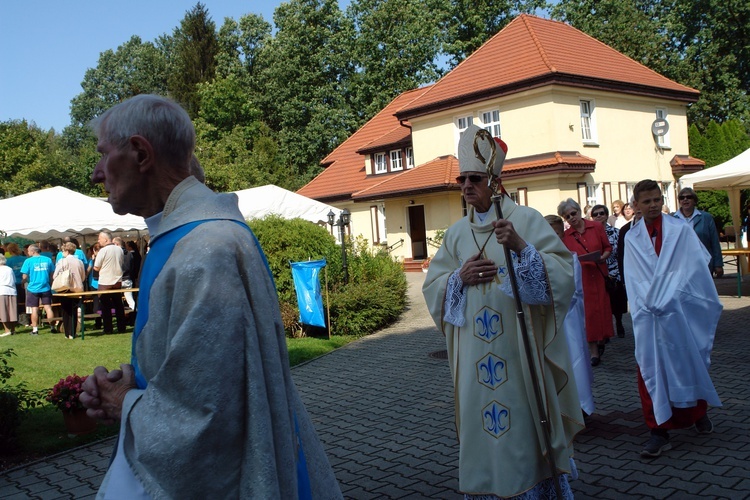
42, 360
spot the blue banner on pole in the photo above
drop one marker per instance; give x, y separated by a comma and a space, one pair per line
306, 277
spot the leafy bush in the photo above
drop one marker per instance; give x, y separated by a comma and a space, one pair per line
14, 402
374, 296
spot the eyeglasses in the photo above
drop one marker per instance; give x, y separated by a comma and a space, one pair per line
473, 178
570, 214
685, 197
599, 214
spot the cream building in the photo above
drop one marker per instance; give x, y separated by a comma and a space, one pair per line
580, 119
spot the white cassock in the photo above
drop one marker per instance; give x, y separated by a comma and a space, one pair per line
675, 310
575, 333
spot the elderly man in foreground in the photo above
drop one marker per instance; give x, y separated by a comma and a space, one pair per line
502, 446
208, 407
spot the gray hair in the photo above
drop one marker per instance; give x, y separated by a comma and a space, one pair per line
3, 260
566, 205
163, 122
107, 235
34, 249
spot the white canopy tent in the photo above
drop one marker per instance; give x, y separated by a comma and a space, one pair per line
257, 202
731, 176
58, 212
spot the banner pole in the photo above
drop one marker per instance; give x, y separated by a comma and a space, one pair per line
328, 303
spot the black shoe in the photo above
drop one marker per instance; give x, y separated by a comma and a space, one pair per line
595, 361
34, 332
704, 425
600, 348
53, 329
656, 444
620, 331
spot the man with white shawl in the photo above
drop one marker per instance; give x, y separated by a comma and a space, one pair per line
208, 407
502, 447
675, 310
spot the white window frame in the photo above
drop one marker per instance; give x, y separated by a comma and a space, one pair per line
663, 140
587, 111
491, 121
592, 194
381, 164
462, 123
397, 162
409, 158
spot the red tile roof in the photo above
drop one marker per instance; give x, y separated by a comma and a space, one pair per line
558, 161
440, 174
435, 175
686, 164
532, 52
345, 173
529, 52
398, 136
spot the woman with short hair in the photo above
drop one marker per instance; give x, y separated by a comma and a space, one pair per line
77, 276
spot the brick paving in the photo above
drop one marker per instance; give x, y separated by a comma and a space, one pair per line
384, 410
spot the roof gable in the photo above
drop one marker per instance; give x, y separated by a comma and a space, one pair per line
531, 51
345, 172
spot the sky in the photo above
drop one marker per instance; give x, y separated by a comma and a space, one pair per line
46, 46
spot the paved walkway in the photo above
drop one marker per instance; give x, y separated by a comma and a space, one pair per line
384, 409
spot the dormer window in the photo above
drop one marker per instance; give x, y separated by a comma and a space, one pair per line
381, 165
409, 158
396, 163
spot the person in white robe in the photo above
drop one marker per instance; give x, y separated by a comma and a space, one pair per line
675, 309
207, 406
575, 330
502, 450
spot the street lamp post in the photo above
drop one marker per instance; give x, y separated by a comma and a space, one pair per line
344, 219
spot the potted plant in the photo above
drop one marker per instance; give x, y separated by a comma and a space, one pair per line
65, 395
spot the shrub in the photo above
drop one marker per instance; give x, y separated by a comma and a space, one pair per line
15, 401
374, 297
285, 241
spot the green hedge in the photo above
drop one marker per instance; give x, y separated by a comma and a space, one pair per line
374, 297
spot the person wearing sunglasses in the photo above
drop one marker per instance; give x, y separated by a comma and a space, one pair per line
618, 300
705, 228
467, 290
588, 240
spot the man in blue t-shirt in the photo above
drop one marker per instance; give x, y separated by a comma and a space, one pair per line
37, 273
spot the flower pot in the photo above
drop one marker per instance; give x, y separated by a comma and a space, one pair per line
78, 423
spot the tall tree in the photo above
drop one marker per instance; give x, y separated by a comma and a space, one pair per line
136, 67
32, 159
193, 57
301, 77
395, 48
473, 22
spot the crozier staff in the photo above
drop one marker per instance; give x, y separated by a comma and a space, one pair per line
470, 299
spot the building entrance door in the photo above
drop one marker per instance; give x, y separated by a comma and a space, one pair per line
417, 232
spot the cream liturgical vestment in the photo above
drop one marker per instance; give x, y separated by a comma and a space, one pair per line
675, 310
501, 441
